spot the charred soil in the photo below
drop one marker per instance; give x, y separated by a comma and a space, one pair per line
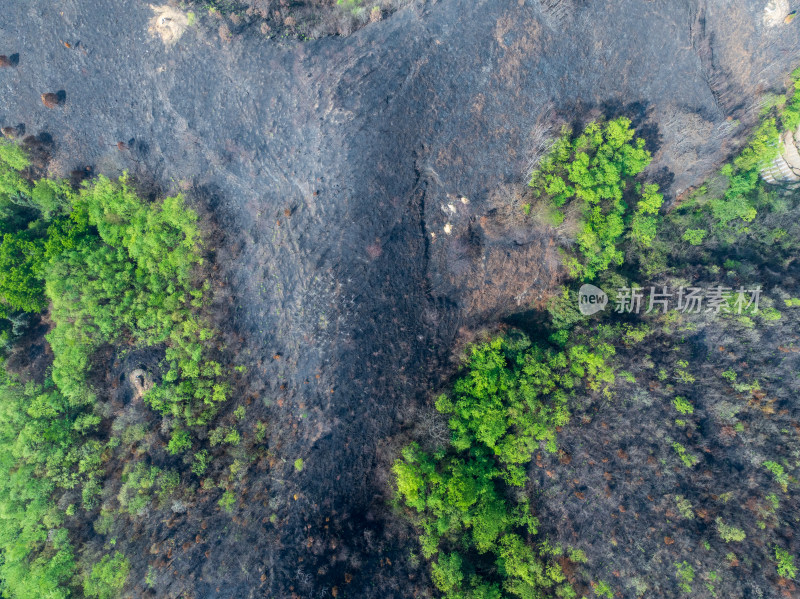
360, 183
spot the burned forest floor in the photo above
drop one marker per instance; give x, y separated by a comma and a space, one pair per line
356, 177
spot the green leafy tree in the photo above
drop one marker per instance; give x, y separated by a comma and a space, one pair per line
683, 405
21, 284
514, 395
179, 442
694, 236
779, 473
728, 532
685, 573
107, 577
786, 567
446, 573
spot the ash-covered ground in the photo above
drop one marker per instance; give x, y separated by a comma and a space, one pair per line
362, 188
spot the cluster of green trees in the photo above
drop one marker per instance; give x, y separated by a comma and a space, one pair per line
111, 268
593, 173
591, 176
107, 577
509, 401
726, 215
37, 455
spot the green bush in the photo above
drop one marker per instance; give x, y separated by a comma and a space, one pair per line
179, 442
349, 5
779, 473
685, 574
729, 533
683, 405
107, 577
684, 507
786, 567
167, 483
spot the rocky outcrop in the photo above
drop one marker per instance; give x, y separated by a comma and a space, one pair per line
785, 169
